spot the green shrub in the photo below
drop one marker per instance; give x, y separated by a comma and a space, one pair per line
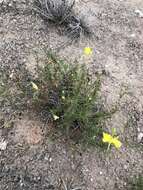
70, 97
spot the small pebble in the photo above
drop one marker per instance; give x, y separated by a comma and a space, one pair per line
46, 158
133, 35
100, 173
125, 167
50, 159
125, 183
91, 179
139, 13
140, 137
3, 144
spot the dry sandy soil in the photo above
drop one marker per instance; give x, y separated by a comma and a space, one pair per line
31, 160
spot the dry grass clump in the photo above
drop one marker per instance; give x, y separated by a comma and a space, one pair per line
60, 12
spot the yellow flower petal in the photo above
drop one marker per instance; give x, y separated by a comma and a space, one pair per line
34, 86
55, 117
107, 138
116, 142
87, 51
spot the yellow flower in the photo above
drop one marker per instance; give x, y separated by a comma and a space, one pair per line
107, 138
55, 117
34, 86
88, 51
116, 142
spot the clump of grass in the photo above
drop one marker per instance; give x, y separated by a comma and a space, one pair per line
60, 12
69, 97
56, 11
137, 183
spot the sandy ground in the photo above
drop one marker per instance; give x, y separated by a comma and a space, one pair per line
34, 162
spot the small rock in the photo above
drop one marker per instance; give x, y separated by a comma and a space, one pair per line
91, 179
50, 159
3, 144
100, 173
11, 75
125, 167
73, 166
125, 183
133, 35
46, 158
139, 13
140, 137
21, 184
